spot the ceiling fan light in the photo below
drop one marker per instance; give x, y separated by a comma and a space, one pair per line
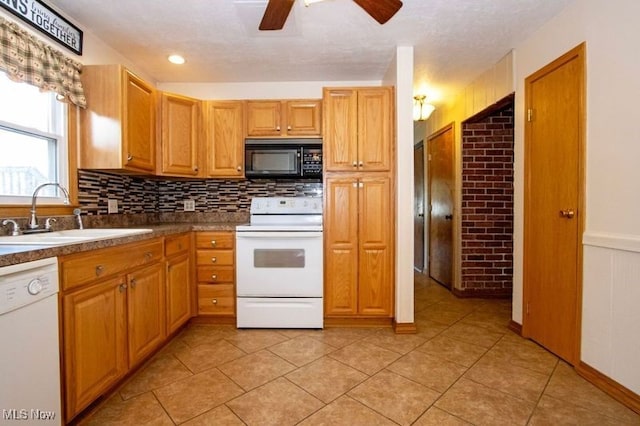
176, 59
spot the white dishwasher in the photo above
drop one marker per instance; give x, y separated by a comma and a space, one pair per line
29, 345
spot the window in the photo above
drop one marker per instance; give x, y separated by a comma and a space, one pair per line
33, 142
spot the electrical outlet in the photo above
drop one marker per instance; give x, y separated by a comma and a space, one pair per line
112, 206
189, 206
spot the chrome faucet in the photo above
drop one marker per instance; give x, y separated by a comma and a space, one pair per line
33, 221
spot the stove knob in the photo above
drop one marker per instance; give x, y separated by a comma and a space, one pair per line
35, 286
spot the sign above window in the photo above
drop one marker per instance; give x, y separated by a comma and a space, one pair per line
46, 20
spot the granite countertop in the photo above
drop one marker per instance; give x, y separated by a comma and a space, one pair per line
13, 254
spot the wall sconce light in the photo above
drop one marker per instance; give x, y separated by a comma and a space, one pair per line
421, 110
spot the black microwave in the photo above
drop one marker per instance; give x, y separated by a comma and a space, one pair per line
283, 158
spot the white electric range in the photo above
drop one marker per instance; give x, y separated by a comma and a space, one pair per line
279, 278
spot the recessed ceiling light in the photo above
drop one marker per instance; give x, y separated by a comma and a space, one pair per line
176, 59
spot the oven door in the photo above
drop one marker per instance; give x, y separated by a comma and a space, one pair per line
279, 264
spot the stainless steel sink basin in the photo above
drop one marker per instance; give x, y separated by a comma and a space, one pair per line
71, 236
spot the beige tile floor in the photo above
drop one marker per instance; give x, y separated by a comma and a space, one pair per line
462, 367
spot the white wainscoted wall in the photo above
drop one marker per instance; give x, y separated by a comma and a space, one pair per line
611, 307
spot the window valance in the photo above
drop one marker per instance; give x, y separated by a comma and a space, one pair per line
25, 58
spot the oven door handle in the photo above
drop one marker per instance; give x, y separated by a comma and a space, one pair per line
278, 234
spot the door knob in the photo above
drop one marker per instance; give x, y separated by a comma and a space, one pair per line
567, 214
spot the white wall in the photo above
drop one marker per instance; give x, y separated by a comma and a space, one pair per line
611, 282
400, 75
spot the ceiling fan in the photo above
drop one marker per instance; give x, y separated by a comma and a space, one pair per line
278, 10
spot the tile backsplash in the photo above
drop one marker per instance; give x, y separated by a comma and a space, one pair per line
146, 195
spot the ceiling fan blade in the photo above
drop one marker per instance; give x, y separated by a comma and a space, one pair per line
276, 14
380, 10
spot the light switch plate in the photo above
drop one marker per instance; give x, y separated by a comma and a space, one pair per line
112, 206
189, 206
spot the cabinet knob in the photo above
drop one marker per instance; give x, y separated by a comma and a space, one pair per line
195, 169
278, 128
122, 288
99, 270
239, 168
288, 127
133, 283
214, 277
213, 243
129, 157
360, 164
355, 164
214, 301
179, 246
148, 255
214, 260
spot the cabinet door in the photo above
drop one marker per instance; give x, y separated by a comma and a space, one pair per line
179, 139
375, 129
340, 129
146, 311
304, 118
264, 118
225, 139
95, 345
341, 246
139, 142
178, 292
375, 289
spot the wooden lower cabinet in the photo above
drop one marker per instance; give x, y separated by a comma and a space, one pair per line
95, 342
179, 288
215, 271
358, 246
145, 311
111, 322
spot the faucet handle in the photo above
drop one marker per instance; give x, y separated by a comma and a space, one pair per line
16, 228
47, 223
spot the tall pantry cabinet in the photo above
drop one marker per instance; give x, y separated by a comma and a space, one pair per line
359, 188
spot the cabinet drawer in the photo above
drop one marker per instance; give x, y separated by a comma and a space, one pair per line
215, 239
177, 244
216, 274
216, 299
215, 257
80, 269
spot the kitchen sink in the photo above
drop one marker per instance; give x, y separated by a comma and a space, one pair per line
71, 236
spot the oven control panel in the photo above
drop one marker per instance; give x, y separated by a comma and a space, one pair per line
286, 205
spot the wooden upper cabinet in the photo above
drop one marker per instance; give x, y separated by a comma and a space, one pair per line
180, 120
118, 127
293, 118
224, 139
358, 129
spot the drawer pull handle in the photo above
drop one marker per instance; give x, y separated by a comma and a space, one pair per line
214, 277
99, 270
122, 288
214, 301
214, 260
213, 243
133, 283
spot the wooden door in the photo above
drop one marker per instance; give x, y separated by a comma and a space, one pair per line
375, 118
304, 118
224, 139
179, 138
418, 207
178, 292
341, 246
553, 218
264, 118
145, 311
375, 283
95, 336
340, 132
441, 196
139, 148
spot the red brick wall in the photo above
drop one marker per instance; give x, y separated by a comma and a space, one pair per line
487, 205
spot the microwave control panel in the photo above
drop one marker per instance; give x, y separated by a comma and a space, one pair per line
312, 162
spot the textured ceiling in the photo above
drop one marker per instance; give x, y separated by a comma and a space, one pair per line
334, 40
